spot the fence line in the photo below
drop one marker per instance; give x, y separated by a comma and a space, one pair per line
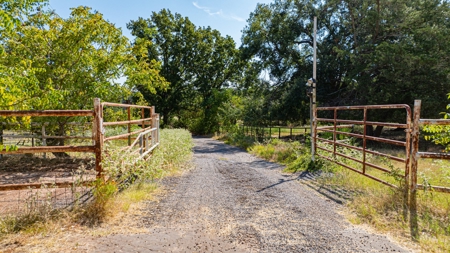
260, 132
149, 134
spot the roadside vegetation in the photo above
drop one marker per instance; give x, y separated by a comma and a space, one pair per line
369, 202
112, 199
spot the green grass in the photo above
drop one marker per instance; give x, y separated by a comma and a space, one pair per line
136, 179
371, 202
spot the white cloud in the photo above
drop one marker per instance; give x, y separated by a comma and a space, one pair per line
219, 13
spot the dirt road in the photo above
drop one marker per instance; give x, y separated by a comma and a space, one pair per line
234, 202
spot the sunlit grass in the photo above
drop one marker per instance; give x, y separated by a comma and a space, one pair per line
372, 202
171, 157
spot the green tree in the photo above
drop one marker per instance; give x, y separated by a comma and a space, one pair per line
75, 60
278, 39
399, 52
65, 63
369, 52
197, 62
15, 79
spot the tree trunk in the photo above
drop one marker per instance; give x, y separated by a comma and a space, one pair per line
378, 131
371, 132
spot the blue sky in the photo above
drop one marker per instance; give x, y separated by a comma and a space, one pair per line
227, 16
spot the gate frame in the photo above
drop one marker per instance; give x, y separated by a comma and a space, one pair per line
365, 137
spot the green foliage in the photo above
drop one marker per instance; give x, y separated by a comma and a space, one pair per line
197, 62
373, 52
439, 134
277, 151
239, 139
171, 155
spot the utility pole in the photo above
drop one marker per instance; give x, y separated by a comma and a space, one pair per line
314, 88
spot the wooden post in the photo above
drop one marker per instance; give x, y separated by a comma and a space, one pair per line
98, 137
413, 222
279, 133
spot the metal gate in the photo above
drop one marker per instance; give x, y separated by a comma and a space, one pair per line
331, 122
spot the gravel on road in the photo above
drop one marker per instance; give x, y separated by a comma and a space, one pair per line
234, 202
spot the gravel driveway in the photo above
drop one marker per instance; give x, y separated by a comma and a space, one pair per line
235, 202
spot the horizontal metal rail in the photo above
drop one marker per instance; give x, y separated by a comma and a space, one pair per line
399, 159
125, 105
46, 113
13, 187
116, 137
141, 134
53, 149
434, 155
117, 123
358, 171
394, 142
434, 188
361, 107
434, 122
149, 150
338, 126
359, 122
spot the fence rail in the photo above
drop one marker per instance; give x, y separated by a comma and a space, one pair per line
275, 131
339, 123
415, 149
148, 136
411, 144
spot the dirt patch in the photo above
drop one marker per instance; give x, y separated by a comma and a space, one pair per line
27, 169
232, 202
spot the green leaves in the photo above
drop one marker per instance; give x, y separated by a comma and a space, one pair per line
8, 148
59, 63
196, 62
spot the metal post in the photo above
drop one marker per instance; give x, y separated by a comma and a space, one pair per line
98, 131
44, 140
157, 125
364, 142
1, 137
314, 88
334, 132
129, 125
143, 123
413, 179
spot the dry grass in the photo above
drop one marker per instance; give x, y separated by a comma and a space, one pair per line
374, 204
49, 230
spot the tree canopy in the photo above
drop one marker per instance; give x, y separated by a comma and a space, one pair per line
370, 52
70, 61
197, 62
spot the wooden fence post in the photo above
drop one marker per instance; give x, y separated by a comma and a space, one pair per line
413, 222
98, 136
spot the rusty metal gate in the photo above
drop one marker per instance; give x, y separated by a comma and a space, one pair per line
329, 148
